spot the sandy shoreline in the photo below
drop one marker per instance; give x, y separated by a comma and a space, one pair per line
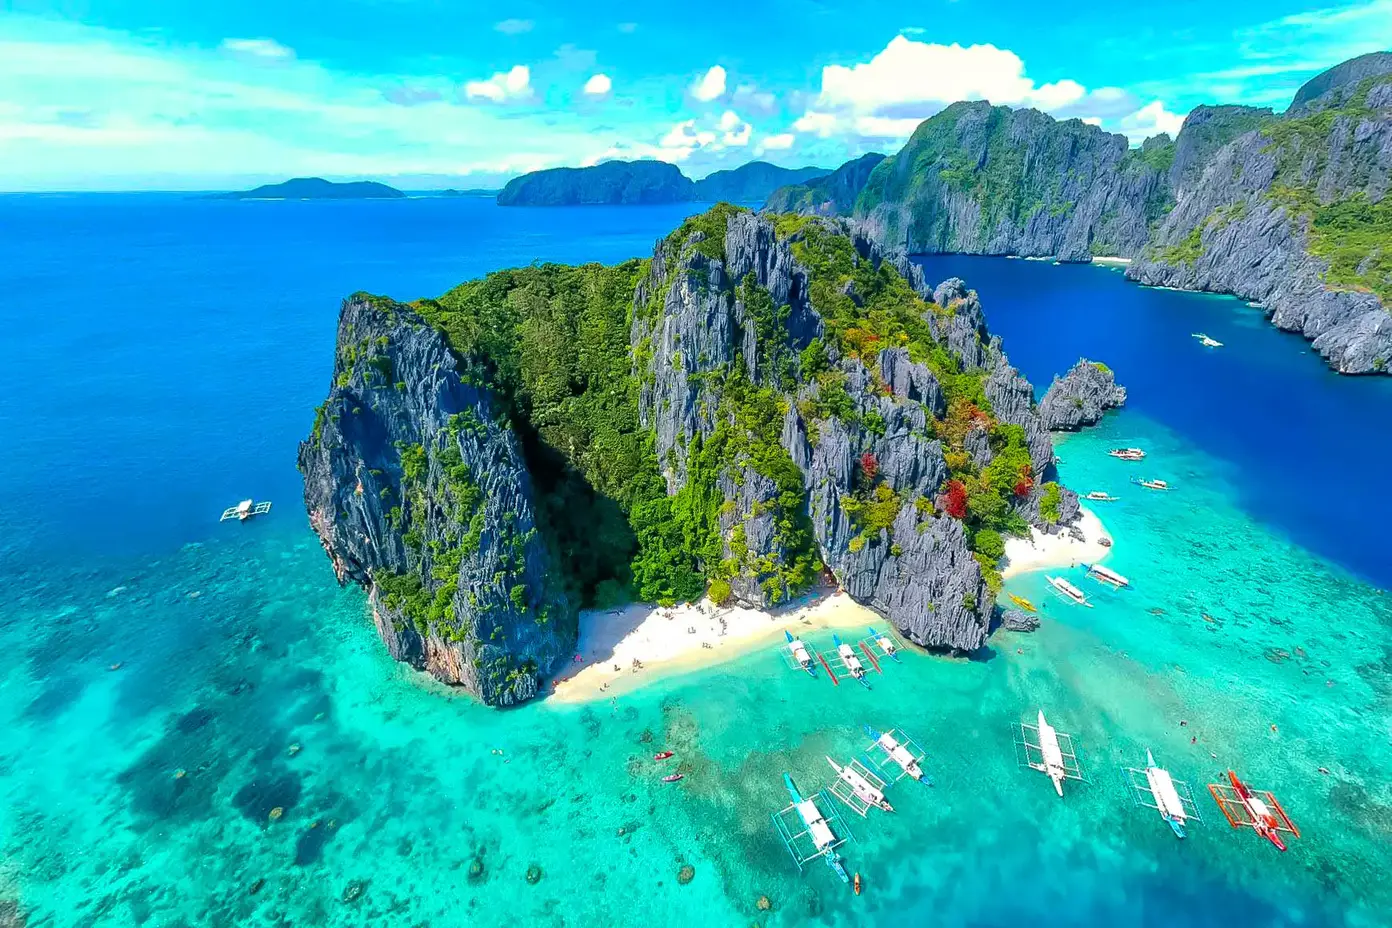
1046, 552
663, 641
685, 637
1112, 260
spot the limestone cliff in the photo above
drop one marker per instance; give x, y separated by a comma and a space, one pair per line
832, 195
766, 399
1080, 397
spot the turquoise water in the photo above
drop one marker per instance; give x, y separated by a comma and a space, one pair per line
242, 666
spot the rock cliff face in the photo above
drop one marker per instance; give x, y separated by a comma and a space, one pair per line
764, 400
1080, 397
1292, 215
610, 183
979, 179
417, 488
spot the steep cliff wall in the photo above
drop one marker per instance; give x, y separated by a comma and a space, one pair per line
764, 400
417, 487
832, 195
979, 179
1293, 215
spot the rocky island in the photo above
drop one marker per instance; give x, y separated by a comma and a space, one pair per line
1288, 211
765, 401
621, 183
316, 188
1080, 397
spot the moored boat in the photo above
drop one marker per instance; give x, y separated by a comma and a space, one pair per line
1151, 484
1128, 454
1068, 591
1206, 341
1098, 496
1106, 575
662, 755
1023, 603
672, 777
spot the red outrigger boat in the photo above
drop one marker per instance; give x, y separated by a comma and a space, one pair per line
662, 755
1257, 809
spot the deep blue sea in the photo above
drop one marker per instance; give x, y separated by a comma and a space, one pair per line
201, 728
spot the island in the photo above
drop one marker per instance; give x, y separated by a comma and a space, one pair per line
765, 402
316, 188
1285, 211
619, 183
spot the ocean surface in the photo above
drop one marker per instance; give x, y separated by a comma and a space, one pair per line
169, 682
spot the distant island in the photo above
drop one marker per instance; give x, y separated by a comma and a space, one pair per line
316, 188
619, 183
451, 192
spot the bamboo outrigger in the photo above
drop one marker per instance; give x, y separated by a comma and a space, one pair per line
1256, 809
1154, 788
1051, 752
886, 643
808, 833
245, 510
859, 787
895, 755
1106, 575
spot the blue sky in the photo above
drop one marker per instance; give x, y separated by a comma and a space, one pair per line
171, 94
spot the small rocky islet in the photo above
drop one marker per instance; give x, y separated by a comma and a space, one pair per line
766, 401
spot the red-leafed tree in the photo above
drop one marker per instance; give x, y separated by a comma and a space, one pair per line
954, 499
869, 466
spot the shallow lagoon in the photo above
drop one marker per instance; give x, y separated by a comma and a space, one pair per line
234, 644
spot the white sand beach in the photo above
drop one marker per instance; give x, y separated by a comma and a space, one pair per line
1046, 552
1111, 260
684, 637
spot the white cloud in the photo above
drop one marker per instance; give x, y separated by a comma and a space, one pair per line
502, 87
514, 26
266, 49
1093, 120
599, 85
821, 124
780, 142
1151, 119
749, 97
729, 120
710, 86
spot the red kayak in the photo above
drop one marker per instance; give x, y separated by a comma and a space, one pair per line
671, 778
662, 756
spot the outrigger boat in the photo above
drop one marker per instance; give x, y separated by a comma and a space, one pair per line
245, 510
1257, 809
799, 653
1128, 454
1023, 603
886, 644
1151, 484
1154, 788
1097, 496
1067, 591
1051, 752
859, 787
662, 755
844, 656
1206, 341
672, 777
1106, 575
895, 750
816, 834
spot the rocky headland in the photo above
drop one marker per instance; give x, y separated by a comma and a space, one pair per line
620, 183
764, 402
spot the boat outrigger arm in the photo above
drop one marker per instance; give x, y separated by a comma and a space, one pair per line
1153, 788
245, 510
797, 654
884, 643
1245, 807
809, 832
894, 755
1044, 748
859, 787
844, 657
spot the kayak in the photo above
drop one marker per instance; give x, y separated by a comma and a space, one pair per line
671, 778
1023, 603
857, 884
662, 756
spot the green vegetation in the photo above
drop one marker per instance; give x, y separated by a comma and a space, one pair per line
1049, 503
1188, 250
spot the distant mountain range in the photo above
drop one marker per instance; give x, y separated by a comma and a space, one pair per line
316, 188
638, 182
1289, 211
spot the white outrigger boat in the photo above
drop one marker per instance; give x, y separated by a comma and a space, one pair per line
798, 654
859, 787
816, 834
1128, 454
1151, 484
1206, 341
895, 749
1106, 575
1067, 591
1097, 496
1051, 752
885, 642
844, 656
1154, 788
245, 510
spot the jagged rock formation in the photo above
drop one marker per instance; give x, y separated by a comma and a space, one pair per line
610, 183
764, 399
832, 195
979, 179
1080, 397
1292, 215
752, 182
412, 475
